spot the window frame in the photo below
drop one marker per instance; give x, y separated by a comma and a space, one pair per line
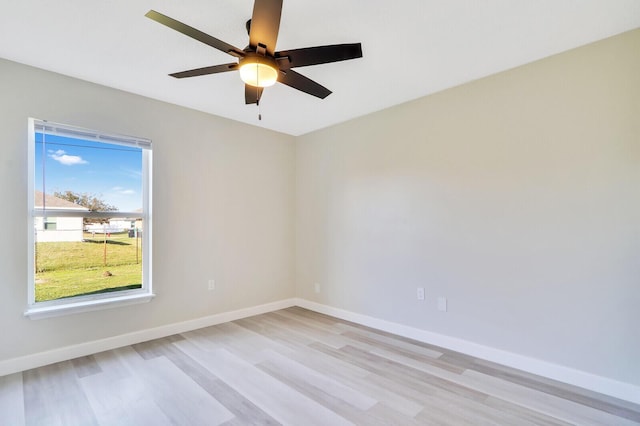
75, 304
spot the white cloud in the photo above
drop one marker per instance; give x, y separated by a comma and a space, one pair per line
120, 190
68, 160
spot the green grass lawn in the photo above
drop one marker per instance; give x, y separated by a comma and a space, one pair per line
65, 269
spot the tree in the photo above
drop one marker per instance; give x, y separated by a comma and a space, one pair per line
90, 201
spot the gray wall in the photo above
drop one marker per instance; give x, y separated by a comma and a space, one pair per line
223, 208
517, 197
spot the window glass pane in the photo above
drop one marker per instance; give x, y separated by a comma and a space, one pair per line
104, 257
96, 175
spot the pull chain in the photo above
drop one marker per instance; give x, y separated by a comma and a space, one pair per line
258, 93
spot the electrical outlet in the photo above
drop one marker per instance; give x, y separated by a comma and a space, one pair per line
316, 287
211, 285
442, 304
420, 293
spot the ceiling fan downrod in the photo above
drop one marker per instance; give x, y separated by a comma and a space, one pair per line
257, 86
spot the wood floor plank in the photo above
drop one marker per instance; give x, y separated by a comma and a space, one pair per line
278, 400
389, 337
314, 316
389, 416
275, 331
324, 397
552, 387
443, 408
550, 405
155, 348
486, 388
311, 320
495, 387
11, 399
523, 413
179, 397
316, 334
401, 384
245, 343
414, 377
357, 378
53, 396
245, 412
122, 400
292, 342
296, 372
545, 405
86, 366
112, 364
367, 335
415, 354
344, 372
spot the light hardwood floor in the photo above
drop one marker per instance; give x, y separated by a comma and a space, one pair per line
294, 367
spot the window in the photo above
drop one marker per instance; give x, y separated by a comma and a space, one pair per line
90, 219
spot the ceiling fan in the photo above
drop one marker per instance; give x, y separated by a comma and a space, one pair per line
260, 65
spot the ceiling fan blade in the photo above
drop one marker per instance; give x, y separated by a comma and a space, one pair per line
194, 33
252, 94
206, 70
319, 55
302, 83
265, 24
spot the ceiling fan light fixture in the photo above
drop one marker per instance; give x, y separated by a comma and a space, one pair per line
258, 71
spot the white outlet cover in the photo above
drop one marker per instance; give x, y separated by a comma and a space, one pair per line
442, 304
316, 286
211, 284
420, 293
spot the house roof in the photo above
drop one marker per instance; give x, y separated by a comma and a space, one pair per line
51, 202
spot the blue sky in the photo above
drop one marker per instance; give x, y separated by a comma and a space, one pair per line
111, 172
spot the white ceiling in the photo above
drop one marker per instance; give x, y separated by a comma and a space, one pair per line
411, 48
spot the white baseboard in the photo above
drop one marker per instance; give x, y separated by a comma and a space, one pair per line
604, 385
27, 362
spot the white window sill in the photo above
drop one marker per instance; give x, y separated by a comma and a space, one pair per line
39, 312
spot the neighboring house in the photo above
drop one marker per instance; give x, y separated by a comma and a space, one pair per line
53, 228
115, 226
